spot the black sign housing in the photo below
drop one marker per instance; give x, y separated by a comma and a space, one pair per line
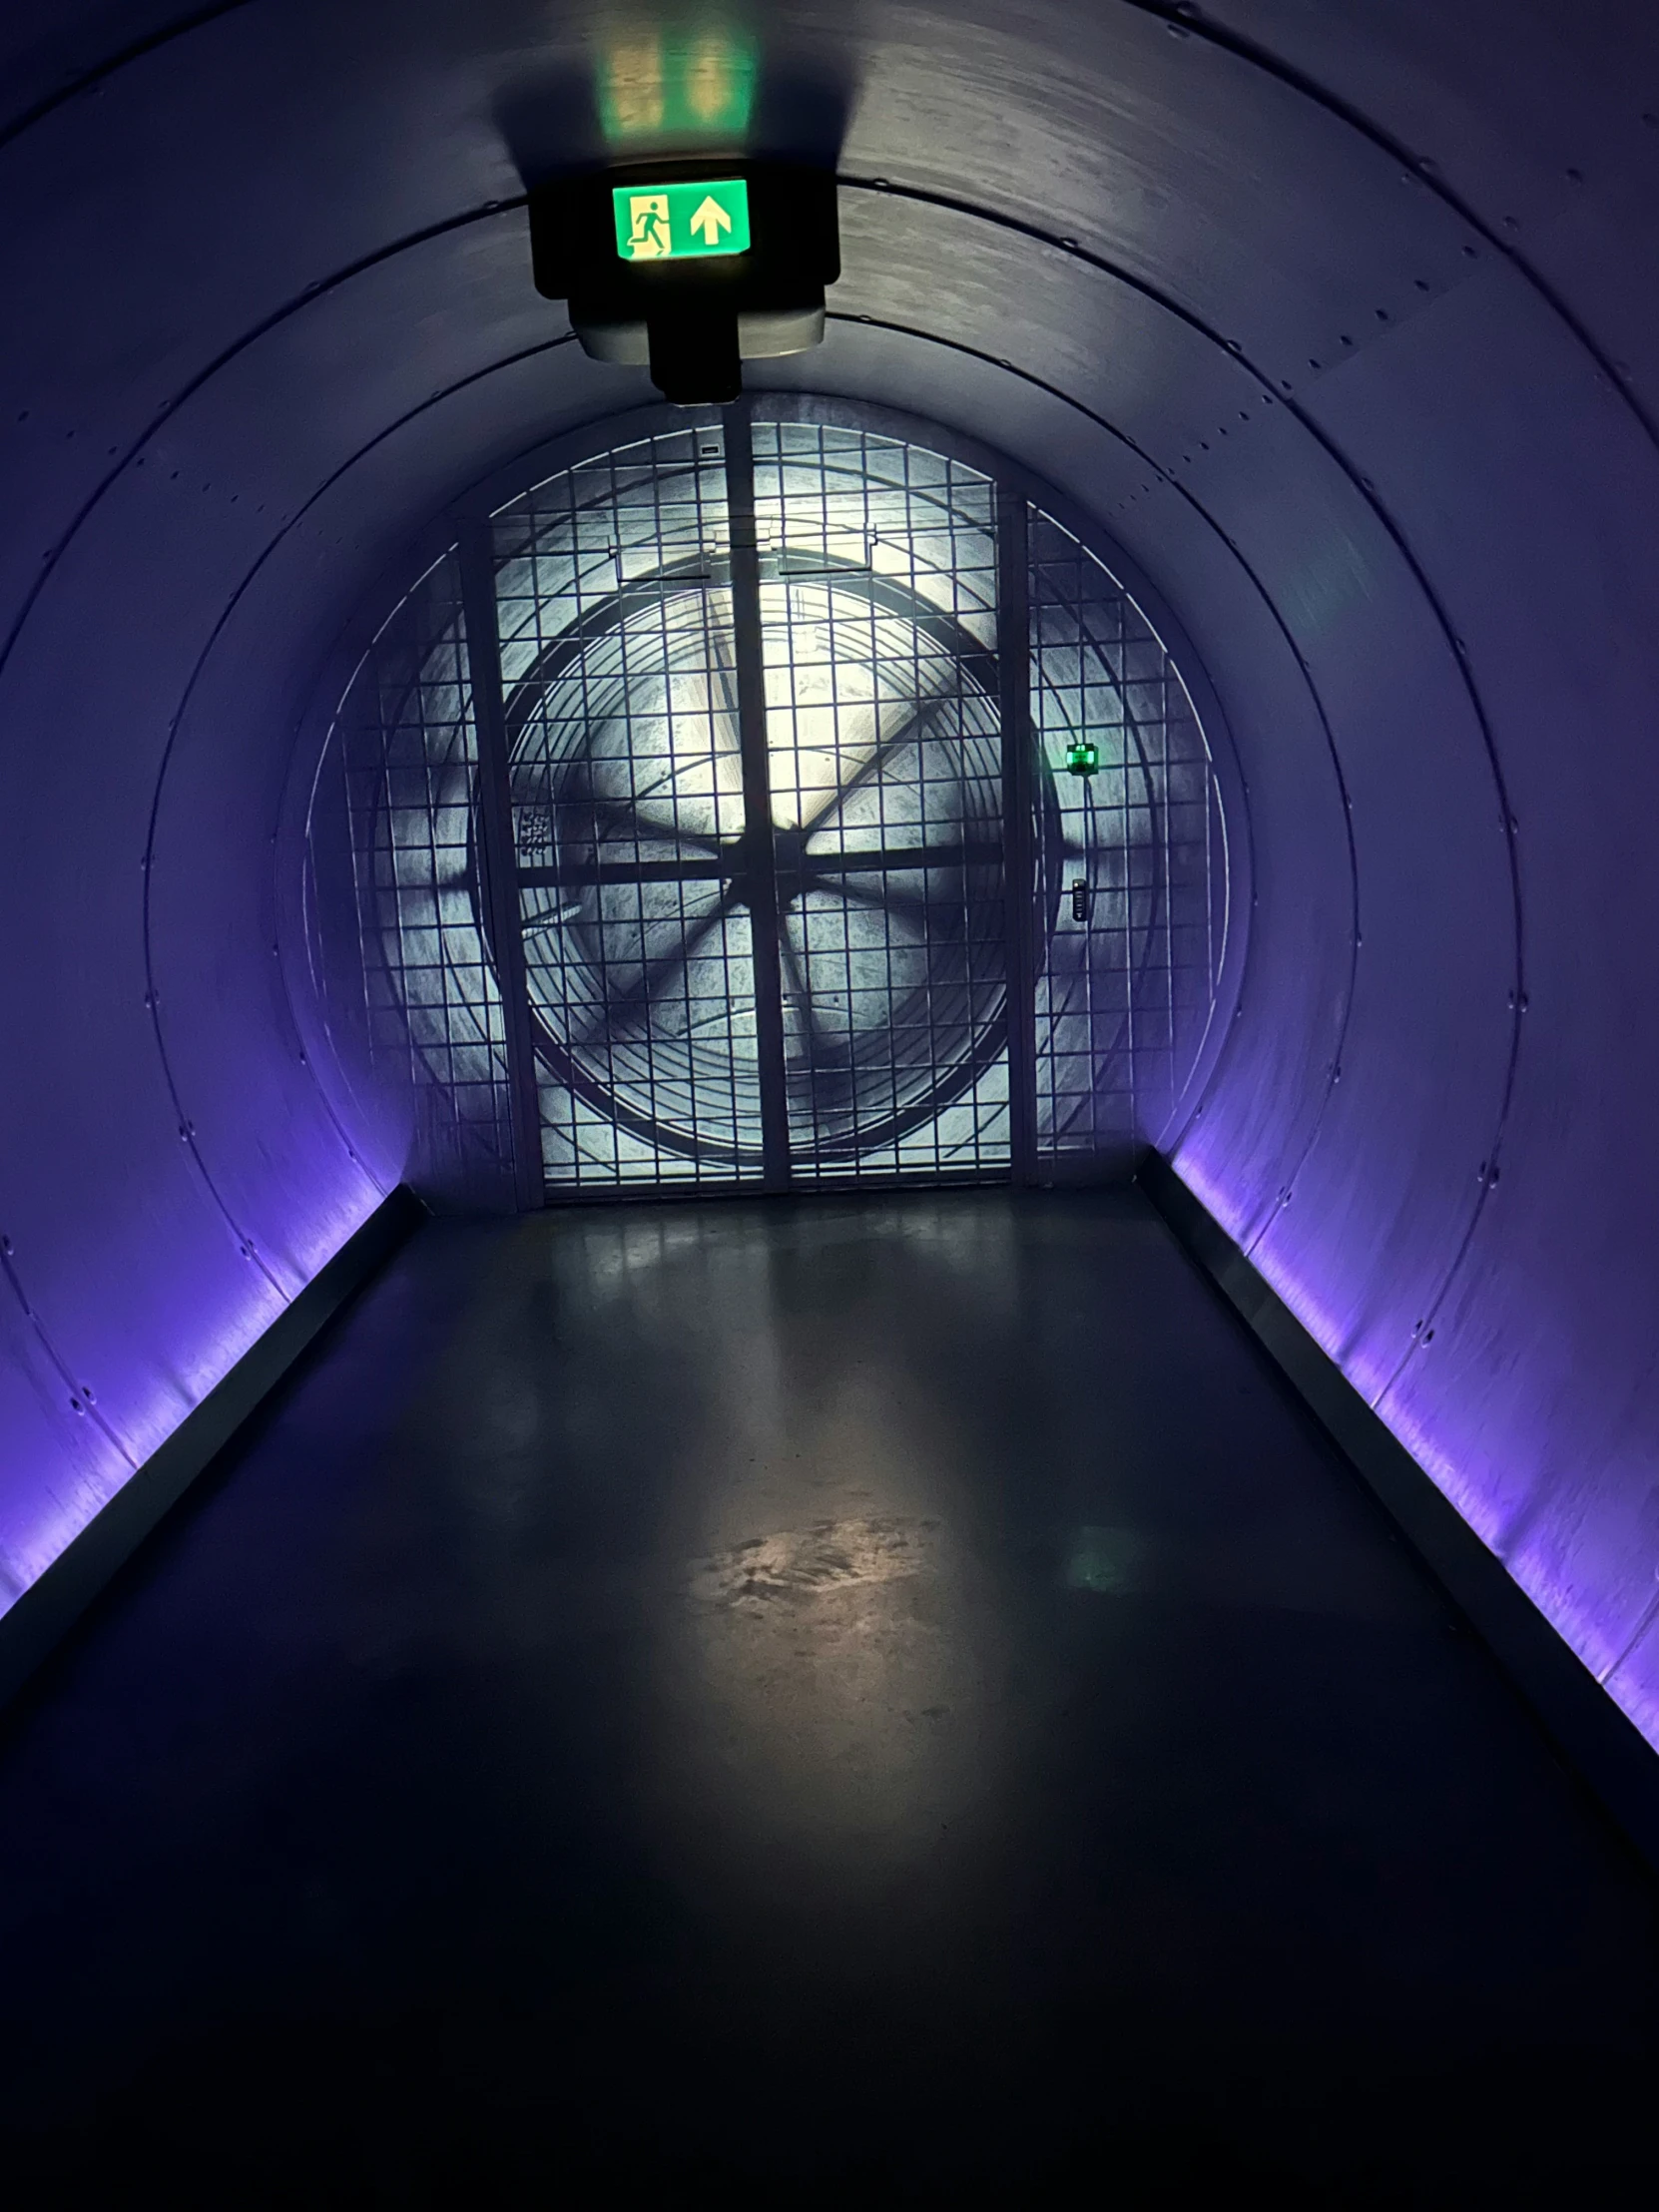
693, 321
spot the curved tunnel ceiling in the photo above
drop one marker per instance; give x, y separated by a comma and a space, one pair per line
1342, 328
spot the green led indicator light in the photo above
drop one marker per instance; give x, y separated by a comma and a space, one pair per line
680, 222
1082, 758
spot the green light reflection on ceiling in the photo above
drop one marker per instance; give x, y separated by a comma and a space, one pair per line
655, 86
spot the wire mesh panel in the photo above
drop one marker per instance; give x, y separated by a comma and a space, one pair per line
878, 613
614, 595
804, 739
1131, 880
421, 1005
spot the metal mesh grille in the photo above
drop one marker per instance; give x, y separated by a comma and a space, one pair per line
878, 614
421, 1007
636, 842
1129, 889
617, 667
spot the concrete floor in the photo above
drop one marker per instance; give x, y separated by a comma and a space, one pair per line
867, 1701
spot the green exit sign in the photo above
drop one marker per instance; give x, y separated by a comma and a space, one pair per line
677, 223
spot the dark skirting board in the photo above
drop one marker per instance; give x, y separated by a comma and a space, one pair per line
49, 1608
1587, 1730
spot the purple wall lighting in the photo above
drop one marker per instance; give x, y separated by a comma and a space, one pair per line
1340, 328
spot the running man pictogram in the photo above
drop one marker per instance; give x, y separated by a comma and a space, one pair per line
648, 226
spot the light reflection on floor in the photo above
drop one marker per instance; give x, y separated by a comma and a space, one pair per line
825, 1667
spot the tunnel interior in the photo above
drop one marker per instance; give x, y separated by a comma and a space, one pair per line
1331, 336
1315, 345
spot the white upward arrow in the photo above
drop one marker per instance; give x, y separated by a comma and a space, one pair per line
710, 219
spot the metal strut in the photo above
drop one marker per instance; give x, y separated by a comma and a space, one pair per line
1013, 661
760, 879
499, 856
